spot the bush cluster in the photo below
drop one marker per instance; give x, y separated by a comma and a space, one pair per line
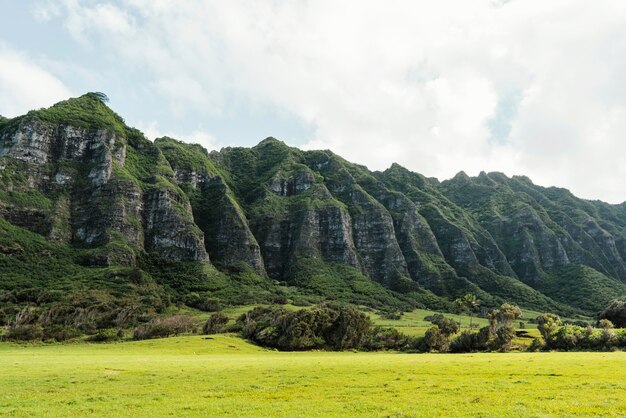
385, 338
616, 313
497, 336
203, 302
557, 335
28, 315
166, 327
339, 327
216, 324
328, 325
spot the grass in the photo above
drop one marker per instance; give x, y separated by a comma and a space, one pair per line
226, 376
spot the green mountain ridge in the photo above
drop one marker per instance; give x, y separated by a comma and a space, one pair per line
90, 206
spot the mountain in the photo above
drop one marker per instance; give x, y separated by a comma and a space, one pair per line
89, 206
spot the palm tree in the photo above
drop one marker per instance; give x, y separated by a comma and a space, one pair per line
468, 303
472, 303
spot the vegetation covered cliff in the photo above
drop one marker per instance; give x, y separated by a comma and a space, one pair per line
90, 208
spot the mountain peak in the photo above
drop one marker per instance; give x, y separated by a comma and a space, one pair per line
461, 176
88, 111
270, 140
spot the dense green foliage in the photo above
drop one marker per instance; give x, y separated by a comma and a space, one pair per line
165, 327
329, 325
616, 313
563, 336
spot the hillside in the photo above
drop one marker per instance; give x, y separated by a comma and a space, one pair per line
92, 210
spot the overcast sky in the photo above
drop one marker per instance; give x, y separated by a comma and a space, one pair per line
529, 87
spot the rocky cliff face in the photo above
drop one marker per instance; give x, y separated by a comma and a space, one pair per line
77, 175
224, 226
83, 176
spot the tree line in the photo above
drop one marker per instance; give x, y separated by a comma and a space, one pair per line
326, 326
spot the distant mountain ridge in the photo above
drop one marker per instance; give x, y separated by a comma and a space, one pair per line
248, 225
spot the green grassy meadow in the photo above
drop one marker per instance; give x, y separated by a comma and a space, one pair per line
223, 375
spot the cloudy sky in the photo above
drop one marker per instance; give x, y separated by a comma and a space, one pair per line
530, 87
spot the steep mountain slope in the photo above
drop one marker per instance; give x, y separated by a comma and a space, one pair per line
87, 202
548, 235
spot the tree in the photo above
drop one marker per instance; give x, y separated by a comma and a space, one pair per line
501, 325
447, 326
434, 339
548, 324
468, 303
328, 325
616, 313
101, 96
215, 324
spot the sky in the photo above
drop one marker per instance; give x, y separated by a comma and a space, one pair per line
525, 87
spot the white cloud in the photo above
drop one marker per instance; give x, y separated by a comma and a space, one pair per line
45, 11
101, 16
24, 85
418, 82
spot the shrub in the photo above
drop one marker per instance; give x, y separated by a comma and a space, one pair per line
203, 303
433, 318
620, 338
26, 332
60, 333
281, 300
447, 326
165, 327
536, 345
605, 324
328, 325
386, 338
608, 338
616, 313
567, 337
498, 335
28, 315
435, 340
216, 324
392, 315
349, 328
548, 325
106, 335
470, 341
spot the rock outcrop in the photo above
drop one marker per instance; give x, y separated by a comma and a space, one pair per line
80, 169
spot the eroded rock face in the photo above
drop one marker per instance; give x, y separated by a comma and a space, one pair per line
226, 232
39, 143
292, 184
375, 239
540, 230
194, 179
228, 236
91, 207
169, 227
531, 247
336, 236
324, 233
100, 212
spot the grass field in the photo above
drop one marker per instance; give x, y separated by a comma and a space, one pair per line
226, 376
